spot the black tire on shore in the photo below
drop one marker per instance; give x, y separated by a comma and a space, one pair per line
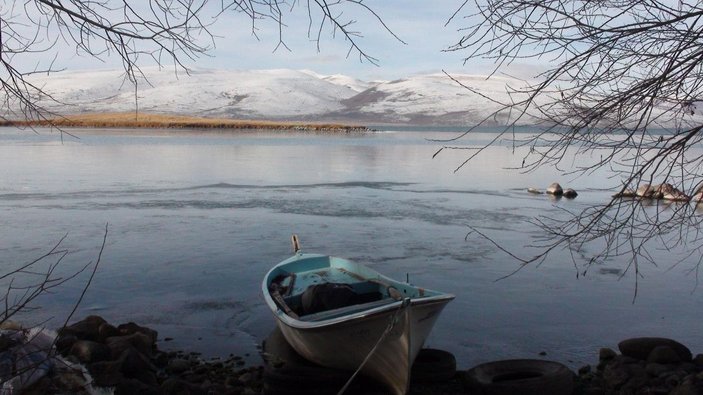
433, 366
520, 376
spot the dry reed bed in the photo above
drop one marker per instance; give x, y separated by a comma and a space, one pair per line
159, 121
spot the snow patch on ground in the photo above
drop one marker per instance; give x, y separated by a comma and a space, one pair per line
280, 94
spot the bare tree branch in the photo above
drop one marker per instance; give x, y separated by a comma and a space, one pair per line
625, 82
140, 32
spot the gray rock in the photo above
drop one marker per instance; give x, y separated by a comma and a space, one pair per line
615, 376
698, 360
584, 370
178, 365
640, 347
657, 369
87, 329
663, 354
649, 191
688, 367
555, 189
669, 192
570, 193
246, 378
106, 330
606, 354
687, 389
64, 343
619, 372
9, 325
131, 328
106, 373
89, 351
629, 360
135, 364
634, 383
673, 379
534, 190
138, 341
161, 359
627, 193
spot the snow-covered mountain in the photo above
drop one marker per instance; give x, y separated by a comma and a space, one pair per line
280, 95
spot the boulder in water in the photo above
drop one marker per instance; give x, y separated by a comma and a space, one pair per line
555, 189
570, 193
669, 192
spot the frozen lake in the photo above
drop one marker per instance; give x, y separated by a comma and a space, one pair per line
197, 218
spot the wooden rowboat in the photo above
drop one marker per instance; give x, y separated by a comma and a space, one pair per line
344, 315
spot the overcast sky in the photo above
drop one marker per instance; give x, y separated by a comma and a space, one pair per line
421, 24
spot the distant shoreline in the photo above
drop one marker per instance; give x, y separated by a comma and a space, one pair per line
163, 121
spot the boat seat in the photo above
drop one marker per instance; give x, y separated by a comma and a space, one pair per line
325, 315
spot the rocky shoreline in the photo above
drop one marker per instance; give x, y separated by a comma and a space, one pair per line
647, 365
94, 356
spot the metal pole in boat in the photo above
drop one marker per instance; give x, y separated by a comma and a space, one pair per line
296, 243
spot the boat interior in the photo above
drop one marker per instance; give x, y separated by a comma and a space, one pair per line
322, 288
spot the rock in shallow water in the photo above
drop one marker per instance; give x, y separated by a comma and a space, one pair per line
555, 189
570, 193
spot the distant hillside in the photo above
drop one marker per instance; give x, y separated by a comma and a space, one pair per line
280, 95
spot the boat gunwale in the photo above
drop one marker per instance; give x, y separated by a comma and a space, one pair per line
360, 316
442, 298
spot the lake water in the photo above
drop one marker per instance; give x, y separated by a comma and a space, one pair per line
197, 218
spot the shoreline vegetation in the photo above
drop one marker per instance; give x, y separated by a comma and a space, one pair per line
166, 121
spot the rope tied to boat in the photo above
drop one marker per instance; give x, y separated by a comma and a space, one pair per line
393, 321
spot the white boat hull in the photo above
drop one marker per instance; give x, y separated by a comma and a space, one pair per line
345, 346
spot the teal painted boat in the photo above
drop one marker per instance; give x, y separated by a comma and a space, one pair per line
344, 315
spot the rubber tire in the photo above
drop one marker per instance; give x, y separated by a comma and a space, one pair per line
433, 366
520, 376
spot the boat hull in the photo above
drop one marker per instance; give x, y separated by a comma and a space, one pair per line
346, 345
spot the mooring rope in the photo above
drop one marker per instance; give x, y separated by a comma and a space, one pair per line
389, 328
